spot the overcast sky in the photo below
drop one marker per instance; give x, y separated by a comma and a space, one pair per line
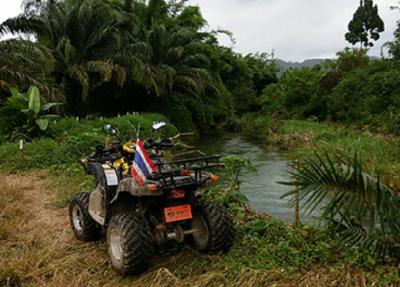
294, 29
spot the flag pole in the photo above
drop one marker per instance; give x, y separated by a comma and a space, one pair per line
138, 132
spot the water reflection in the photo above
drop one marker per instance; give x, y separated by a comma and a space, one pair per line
262, 188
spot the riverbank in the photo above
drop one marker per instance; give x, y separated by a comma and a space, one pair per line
300, 140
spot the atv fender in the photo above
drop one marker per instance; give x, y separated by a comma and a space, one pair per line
129, 185
107, 179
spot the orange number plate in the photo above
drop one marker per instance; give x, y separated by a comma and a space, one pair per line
177, 213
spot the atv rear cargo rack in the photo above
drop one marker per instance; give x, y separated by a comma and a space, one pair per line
197, 165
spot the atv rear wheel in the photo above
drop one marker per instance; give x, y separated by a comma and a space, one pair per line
215, 231
129, 242
83, 225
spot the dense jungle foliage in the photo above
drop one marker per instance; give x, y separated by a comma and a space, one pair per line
354, 90
116, 56
109, 57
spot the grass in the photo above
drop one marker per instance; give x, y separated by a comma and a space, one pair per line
38, 248
68, 140
380, 154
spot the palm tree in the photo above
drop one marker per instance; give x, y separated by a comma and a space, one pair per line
125, 53
168, 64
23, 63
357, 206
82, 37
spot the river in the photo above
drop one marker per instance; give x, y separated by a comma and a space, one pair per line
262, 188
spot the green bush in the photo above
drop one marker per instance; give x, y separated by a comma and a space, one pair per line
255, 126
72, 140
126, 125
353, 90
296, 95
270, 244
367, 94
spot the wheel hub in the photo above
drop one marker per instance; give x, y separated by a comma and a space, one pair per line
201, 233
77, 218
115, 244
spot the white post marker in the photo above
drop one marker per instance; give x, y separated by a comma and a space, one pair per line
77, 119
138, 132
21, 148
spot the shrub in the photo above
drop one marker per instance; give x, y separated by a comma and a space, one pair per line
255, 126
73, 140
366, 93
296, 95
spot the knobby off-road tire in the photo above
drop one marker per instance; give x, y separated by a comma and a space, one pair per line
130, 243
84, 227
216, 229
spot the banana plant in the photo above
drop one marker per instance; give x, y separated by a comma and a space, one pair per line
36, 112
23, 114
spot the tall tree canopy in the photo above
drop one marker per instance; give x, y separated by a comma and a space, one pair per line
366, 25
112, 56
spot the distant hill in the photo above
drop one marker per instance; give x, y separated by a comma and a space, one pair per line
283, 65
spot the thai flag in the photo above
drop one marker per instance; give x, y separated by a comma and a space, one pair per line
142, 166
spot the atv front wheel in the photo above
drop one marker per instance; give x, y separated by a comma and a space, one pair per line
214, 229
129, 242
83, 225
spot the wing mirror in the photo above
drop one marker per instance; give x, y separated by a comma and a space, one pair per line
110, 130
158, 125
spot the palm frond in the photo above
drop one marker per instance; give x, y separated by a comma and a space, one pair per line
107, 70
359, 207
22, 25
31, 54
78, 74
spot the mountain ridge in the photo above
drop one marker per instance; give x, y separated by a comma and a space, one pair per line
285, 65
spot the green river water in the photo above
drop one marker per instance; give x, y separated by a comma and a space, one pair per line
261, 188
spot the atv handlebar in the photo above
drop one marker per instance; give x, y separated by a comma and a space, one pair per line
159, 144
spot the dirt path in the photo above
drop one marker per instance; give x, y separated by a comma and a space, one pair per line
43, 223
37, 246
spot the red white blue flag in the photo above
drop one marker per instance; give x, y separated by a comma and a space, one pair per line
142, 166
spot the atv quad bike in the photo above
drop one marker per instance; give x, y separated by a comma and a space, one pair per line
138, 218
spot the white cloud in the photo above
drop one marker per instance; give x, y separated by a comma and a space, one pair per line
8, 9
295, 29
